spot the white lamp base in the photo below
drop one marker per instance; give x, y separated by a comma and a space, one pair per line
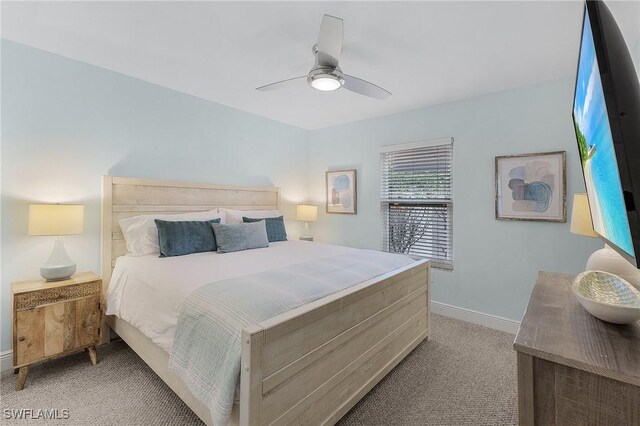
608, 260
307, 233
59, 266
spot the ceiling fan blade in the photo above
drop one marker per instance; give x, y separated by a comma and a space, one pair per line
281, 84
365, 88
330, 41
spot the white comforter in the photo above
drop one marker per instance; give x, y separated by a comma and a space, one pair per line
147, 291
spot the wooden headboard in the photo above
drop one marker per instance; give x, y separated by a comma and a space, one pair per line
126, 197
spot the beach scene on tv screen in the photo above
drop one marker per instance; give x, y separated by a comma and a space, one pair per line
597, 153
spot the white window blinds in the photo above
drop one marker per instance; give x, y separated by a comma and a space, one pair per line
417, 201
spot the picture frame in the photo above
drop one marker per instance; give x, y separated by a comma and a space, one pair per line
531, 187
341, 191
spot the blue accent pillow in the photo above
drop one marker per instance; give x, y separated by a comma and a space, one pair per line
178, 238
275, 227
240, 236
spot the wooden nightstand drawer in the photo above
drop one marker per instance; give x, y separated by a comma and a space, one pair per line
55, 318
52, 295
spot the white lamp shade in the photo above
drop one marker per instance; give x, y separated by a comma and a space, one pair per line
581, 216
307, 213
56, 219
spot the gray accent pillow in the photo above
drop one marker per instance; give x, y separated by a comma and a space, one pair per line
241, 236
177, 238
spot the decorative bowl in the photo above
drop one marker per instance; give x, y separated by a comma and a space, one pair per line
607, 296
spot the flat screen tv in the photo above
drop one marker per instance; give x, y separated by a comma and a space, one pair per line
606, 116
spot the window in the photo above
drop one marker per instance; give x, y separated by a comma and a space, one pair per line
417, 200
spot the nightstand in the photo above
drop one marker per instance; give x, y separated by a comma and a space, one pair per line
53, 318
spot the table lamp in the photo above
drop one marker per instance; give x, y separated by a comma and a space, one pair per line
308, 214
56, 220
606, 259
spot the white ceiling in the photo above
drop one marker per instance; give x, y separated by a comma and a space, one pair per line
425, 53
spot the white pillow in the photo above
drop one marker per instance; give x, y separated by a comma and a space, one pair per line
141, 232
235, 216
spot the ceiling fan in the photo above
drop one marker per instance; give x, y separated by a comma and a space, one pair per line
326, 75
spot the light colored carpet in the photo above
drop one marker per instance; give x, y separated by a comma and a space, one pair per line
464, 375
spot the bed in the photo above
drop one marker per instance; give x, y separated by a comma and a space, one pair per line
308, 365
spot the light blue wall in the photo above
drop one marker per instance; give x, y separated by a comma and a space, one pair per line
495, 262
66, 123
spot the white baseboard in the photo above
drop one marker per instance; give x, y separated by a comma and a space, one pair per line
6, 360
475, 317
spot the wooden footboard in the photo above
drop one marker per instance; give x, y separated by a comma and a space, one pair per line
312, 364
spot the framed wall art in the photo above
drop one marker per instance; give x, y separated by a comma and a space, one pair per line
341, 187
531, 187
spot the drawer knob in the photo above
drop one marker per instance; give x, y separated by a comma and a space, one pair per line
21, 338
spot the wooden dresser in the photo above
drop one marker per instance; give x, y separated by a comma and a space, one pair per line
574, 369
54, 318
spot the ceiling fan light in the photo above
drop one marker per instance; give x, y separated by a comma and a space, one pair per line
325, 82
